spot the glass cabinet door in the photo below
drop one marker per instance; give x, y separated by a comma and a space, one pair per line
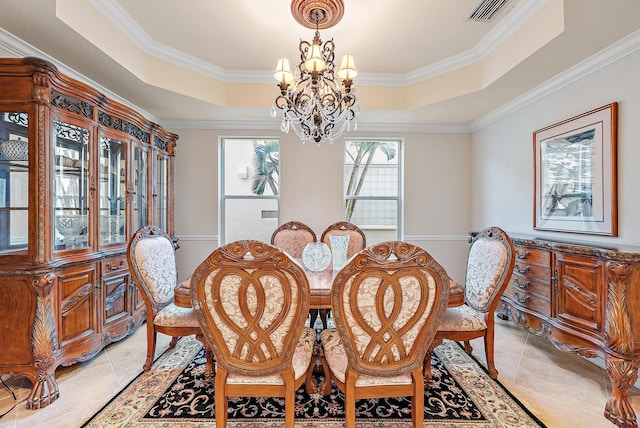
70, 186
112, 190
139, 186
14, 182
161, 190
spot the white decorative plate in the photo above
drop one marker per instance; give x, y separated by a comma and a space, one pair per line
316, 256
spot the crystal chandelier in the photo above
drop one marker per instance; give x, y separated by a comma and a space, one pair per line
317, 102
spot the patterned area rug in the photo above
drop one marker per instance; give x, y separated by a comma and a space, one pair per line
176, 393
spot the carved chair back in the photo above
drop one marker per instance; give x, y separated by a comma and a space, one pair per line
387, 303
292, 237
357, 238
252, 301
152, 261
489, 267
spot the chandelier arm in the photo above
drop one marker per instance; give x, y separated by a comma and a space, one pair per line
317, 103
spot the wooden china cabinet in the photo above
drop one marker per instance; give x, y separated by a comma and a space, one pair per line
584, 298
79, 173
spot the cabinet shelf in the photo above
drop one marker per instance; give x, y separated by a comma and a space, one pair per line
64, 224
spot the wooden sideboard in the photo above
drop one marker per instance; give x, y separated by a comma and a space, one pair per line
79, 174
584, 298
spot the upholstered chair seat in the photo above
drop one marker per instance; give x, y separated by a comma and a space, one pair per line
175, 316
336, 356
463, 318
489, 267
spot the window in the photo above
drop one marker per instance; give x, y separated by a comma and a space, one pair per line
372, 183
249, 180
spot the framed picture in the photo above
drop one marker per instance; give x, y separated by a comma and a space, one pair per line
575, 183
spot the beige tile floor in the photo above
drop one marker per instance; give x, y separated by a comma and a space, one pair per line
562, 389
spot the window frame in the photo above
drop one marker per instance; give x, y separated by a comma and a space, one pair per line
223, 197
400, 195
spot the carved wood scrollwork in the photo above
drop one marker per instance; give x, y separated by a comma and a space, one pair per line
41, 88
79, 295
42, 178
43, 343
589, 298
623, 375
617, 330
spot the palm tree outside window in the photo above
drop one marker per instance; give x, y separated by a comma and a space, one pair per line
249, 185
372, 183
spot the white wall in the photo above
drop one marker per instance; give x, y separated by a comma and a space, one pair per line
502, 173
436, 191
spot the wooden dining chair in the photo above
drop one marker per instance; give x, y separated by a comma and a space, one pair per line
251, 300
357, 238
490, 264
292, 237
387, 303
152, 264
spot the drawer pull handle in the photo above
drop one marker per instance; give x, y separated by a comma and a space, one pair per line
523, 271
521, 299
522, 255
112, 267
519, 284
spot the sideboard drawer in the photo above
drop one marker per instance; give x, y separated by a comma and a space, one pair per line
530, 285
527, 270
534, 256
531, 301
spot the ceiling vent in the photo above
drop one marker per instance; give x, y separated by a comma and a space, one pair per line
487, 10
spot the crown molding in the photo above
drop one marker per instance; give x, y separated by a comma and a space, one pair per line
21, 49
119, 17
606, 56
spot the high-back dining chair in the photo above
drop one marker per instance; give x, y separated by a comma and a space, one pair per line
252, 300
152, 263
387, 303
489, 267
357, 239
292, 237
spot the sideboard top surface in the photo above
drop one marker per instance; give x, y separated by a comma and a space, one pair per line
622, 253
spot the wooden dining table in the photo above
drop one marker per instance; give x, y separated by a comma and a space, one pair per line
320, 303
320, 286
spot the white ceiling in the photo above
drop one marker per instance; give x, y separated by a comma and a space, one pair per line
398, 46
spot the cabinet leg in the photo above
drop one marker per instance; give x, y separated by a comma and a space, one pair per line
45, 387
623, 374
44, 392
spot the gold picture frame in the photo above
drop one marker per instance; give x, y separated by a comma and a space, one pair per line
575, 168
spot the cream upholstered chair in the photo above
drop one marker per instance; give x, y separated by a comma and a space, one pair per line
252, 300
357, 239
387, 303
292, 237
152, 263
489, 267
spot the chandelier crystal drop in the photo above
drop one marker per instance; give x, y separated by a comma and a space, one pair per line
317, 101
